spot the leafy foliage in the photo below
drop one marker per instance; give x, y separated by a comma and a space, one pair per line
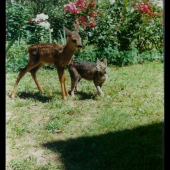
126, 32
17, 57
126, 29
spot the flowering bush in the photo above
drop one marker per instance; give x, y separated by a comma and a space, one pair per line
136, 27
83, 12
146, 8
41, 20
40, 25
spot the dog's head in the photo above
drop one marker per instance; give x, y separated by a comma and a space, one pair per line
102, 66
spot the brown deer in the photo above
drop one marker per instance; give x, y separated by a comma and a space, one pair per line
50, 53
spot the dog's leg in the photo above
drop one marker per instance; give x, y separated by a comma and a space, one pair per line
76, 88
99, 90
74, 79
74, 82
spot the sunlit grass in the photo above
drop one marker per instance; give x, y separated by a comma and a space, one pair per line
132, 110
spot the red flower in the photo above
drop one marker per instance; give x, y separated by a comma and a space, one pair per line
91, 5
92, 25
92, 22
151, 14
80, 4
82, 20
71, 8
139, 9
134, 4
149, 7
93, 14
146, 11
30, 20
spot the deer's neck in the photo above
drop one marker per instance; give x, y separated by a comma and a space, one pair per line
68, 53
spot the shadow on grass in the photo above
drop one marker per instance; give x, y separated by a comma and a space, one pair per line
137, 149
83, 96
36, 96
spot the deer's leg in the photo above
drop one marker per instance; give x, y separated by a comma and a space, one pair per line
65, 88
62, 79
33, 74
30, 65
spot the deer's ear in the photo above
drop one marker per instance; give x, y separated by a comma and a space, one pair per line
76, 26
105, 61
68, 32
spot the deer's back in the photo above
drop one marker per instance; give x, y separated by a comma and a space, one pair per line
46, 52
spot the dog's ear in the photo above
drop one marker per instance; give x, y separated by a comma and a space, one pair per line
98, 65
105, 62
98, 61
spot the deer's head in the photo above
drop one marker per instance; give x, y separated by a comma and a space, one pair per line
73, 37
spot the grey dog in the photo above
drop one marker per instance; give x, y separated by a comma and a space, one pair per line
96, 72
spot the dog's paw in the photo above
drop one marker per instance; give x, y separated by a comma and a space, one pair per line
101, 94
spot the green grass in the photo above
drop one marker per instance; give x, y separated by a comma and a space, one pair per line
122, 131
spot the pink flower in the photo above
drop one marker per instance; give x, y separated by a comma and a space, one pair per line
80, 4
77, 20
38, 21
84, 23
71, 8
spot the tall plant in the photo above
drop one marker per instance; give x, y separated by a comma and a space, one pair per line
41, 31
17, 16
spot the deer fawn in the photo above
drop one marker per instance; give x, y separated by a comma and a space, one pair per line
50, 53
96, 72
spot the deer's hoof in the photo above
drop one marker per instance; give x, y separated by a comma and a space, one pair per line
64, 98
11, 95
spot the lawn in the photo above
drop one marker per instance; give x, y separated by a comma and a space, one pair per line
122, 131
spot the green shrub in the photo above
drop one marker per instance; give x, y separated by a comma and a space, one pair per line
123, 34
17, 16
122, 26
17, 57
